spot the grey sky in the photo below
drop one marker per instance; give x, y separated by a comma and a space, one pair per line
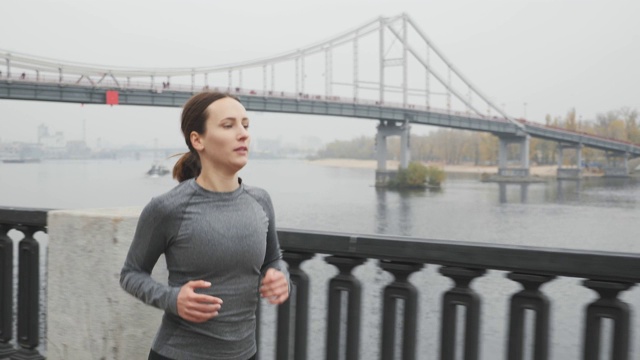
551, 55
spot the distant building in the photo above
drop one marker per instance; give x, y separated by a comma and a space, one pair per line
43, 131
77, 149
49, 146
48, 140
20, 151
53, 146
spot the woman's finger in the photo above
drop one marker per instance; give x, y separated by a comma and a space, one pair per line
204, 299
275, 289
203, 308
196, 316
277, 300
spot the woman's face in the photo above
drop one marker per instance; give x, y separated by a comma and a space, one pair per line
224, 146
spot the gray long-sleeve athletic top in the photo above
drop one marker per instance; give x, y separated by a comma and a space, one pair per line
226, 238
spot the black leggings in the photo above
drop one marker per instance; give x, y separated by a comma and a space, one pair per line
155, 356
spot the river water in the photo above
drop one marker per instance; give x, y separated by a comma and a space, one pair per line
593, 214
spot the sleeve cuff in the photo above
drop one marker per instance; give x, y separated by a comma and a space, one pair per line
172, 305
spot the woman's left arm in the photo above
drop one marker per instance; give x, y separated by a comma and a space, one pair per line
275, 284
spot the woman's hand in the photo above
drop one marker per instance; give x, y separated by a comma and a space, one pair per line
196, 307
275, 287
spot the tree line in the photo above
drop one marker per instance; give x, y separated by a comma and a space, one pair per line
452, 146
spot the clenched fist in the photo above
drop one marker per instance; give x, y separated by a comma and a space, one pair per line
274, 287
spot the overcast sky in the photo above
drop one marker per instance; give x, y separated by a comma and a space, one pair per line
553, 55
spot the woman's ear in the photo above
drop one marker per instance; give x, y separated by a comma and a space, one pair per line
196, 141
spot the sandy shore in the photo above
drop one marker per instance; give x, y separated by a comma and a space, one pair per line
545, 171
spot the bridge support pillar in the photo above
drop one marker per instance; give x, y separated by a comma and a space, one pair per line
503, 152
617, 164
569, 173
388, 128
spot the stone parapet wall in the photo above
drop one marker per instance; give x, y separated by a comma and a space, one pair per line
89, 316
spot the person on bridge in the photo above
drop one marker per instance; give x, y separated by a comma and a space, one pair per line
219, 239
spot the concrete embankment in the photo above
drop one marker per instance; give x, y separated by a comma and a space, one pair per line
547, 171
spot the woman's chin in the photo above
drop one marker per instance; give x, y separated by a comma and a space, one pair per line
238, 165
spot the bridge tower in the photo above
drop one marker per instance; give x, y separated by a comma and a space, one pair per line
523, 169
391, 128
569, 173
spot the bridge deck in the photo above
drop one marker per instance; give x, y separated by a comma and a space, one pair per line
316, 105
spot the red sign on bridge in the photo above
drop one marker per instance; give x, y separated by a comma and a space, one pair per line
112, 97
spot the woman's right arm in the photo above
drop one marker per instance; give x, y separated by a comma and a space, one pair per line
149, 242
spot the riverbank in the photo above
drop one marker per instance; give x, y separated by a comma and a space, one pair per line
542, 171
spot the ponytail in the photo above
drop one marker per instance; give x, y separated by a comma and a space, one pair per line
187, 167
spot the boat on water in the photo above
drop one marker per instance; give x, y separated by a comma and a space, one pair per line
157, 170
21, 161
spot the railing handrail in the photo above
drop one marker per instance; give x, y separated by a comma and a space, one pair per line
592, 264
23, 216
589, 264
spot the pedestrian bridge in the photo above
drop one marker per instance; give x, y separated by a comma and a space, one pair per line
283, 102
425, 89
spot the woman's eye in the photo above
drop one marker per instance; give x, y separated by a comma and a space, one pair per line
246, 126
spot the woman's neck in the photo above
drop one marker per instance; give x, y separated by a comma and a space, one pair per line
217, 181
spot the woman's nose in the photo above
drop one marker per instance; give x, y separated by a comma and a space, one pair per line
243, 133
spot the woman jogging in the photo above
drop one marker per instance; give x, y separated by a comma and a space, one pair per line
219, 239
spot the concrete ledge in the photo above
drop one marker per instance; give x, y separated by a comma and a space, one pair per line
512, 179
616, 171
89, 316
569, 173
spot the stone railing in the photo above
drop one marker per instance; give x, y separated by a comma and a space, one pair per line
29, 284
90, 317
608, 274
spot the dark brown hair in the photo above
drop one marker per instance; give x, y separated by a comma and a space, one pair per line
194, 118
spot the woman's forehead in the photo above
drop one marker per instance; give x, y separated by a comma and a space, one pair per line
226, 108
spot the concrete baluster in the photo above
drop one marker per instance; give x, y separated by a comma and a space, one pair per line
299, 315
347, 284
6, 293
608, 306
529, 298
400, 290
28, 296
460, 295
